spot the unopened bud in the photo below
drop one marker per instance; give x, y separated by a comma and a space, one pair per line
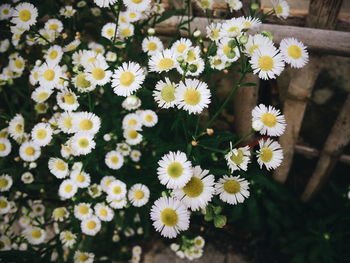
257, 125
267, 34
151, 31
254, 6
243, 40
194, 143
197, 33
210, 131
232, 43
193, 68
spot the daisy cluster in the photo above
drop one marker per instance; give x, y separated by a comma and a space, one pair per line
71, 158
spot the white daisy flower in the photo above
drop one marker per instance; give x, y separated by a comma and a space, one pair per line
104, 212
65, 122
214, 32
54, 25
58, 167
4, 205
105, 3
5, 147
111, 56
116, 189
250, 22
35, 235
294, 52
198, 192
82, 84
238, 158
49, 75
255, 42
132, 136
116, 203
108, 31
125, 30
86, 122
169, 216
192, 95
127, 78
82, 143
67, 238
138, 195
162, 61
272, 121
181, 46
5, 182
90, 226
195, 68
281, 8
34, 75
83, 211
152, 45
228, 50
27, 178
105, 182
174, 170
199, 242
232, 189
72, 45
216, 62
270, 154
123, 148
67, 100
232, 28
149, 118
131, 121
98, 73
67, 189
96, 47
42, 134
268, 62
41, 94
17, 64
24, 15
5, 242
54, 54
5, 11
60, 214
164, 94
80, 178
114, 160
131, 102
29, 151
135, 155
234, 5
137, 5
205, 4
67, 11
16, 127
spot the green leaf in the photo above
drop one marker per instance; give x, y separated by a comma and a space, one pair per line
169, 14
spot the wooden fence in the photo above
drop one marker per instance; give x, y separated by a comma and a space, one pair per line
316, 30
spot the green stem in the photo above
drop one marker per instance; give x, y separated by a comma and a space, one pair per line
212, 149
244, 138
116, 20
189, 15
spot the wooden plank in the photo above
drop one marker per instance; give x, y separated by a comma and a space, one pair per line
317, 40
323, 13
299, 90
335, 143
313, 153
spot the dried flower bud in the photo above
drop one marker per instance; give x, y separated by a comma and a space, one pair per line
210, 131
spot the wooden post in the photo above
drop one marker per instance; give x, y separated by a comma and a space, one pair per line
336, 141
321, 14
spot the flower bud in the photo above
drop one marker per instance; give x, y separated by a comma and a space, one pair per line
257, 125
267, 34
197, 33
151, 31
243, 39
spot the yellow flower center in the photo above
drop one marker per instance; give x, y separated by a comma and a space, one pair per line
269, 119
237, 158
110, 32
49, 74
217, 62
149, 118
169, 217
181, 48
19, 128
194, 187
85, 125
133, 134
98, 73
266, 63
3, 204
127, 78
53, 54
59, 213
266, 154
2, 147
91, 225
68, 122
69, 98
68, 188
6, 11
205, 3
36, 233
83, 257
215, 33
226, 49
138, 194
191, 56
132, 122
279, 9
114, 159
132, 15
18, 63
294, 51
43, 96
83, 143
192, 97
233, 29
36, 75
247, 24
41, 134
168, 93
53, 27
125, 32
151, 46
29, 151
81, 81
25, 15
165, 63
252, 49
103, 212
83, 209
3, 182
232, 186
137, 1
80, 178
117, 190
175, 169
